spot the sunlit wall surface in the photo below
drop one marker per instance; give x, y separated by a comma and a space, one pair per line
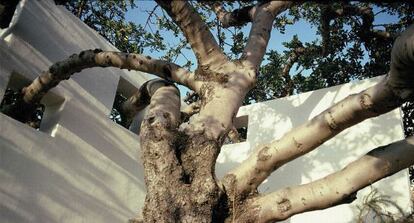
79, 166
82, 167
271, 120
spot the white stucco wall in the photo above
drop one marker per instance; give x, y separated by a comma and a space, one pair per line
272, 119
82, 167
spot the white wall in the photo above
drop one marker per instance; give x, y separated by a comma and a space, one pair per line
82, 167
272, 119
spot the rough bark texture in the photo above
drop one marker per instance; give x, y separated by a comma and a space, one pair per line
179, 156
98, 58
334, 189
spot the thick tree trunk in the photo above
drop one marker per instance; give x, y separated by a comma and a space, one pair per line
179, 157
179, 170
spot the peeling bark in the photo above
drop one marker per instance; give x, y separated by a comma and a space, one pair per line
165, 191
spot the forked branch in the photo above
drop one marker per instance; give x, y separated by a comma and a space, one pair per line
387, 95
298, 141
197, 33
260, 32
237, 17
337, 188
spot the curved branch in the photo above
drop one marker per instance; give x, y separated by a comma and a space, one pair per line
98, 58
348, 112
202, 42
141, 98
337, 188
292, 59
385, 96
260, 31
366, 31
237, 17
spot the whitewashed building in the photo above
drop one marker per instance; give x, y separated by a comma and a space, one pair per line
82, 167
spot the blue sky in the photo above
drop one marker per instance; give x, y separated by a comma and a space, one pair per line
302, 29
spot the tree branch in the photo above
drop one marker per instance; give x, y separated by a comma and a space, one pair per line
260, 32
350, 111
141, 98
385, 96
202, 42
97, 58
293, 57
366, 31
335, 189
237, 17
163, 172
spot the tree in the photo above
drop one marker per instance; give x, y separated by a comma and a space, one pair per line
179, 151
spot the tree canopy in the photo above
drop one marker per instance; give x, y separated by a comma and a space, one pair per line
179, 147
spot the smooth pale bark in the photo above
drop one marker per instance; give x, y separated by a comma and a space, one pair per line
225, 91
334, 189
96, 58
179, 157
260, 32
206, 49
298, 141
388, 94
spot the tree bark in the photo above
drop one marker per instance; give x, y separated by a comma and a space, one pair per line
390, 93
179, 156
98, 58
337, 188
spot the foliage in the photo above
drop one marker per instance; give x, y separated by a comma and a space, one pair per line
348, 49
7, 8
14, 106
374, 208
108, 19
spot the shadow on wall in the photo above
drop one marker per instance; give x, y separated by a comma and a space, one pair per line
271, 120
83, 167
56, 181
91, 174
